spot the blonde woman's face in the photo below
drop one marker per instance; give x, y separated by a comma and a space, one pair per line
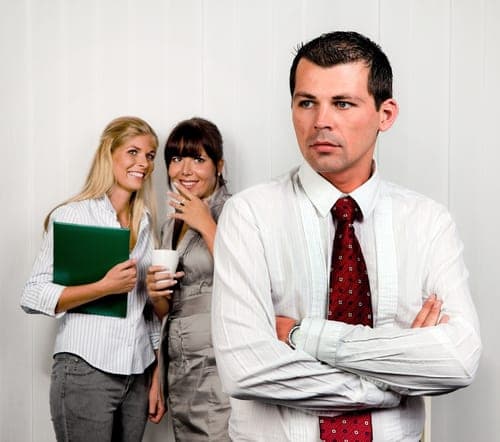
133, 162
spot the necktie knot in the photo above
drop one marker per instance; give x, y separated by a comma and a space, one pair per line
346, 210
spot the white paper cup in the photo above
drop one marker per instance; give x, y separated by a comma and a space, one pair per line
167, 258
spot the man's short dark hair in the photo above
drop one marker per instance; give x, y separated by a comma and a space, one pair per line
347, 47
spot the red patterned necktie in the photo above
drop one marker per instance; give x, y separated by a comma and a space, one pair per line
350, 302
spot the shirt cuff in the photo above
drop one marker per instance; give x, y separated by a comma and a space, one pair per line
43, 301
155, 340
154, 328
319, 338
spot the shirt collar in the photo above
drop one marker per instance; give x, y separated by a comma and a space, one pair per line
107, 203
323, 194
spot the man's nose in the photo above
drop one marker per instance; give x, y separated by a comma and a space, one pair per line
324, 117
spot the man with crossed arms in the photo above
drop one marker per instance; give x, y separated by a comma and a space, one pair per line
288, 368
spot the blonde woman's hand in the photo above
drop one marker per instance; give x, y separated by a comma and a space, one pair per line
157, 408
120, 279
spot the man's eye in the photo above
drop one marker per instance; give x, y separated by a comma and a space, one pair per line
306, 104
343, 104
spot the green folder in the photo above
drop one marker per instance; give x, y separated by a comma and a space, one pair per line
84, 254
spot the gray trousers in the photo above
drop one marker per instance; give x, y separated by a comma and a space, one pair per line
87, 404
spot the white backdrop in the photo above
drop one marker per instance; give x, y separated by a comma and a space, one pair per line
70, 66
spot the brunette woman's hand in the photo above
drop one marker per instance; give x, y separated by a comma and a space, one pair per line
191, 209
159, 282
195, 213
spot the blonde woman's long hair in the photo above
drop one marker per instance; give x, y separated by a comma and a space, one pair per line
100, 178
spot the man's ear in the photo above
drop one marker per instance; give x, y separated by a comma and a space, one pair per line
388, 111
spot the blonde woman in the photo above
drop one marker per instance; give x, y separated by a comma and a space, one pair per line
102, 383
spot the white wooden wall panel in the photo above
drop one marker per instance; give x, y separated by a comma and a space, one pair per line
467, 153
68, 67
395, 39
286, 27
474, 155
16, 380
418, 45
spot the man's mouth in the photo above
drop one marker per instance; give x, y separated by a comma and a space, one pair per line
324, 145
324, 141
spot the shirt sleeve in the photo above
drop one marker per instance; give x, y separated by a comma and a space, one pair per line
153, 325
40, 294
418, 361
145, 246
252, 362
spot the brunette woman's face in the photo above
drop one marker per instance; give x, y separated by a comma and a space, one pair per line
197, 174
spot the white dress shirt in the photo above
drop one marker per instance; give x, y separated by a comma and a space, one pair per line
115, 345
272, 257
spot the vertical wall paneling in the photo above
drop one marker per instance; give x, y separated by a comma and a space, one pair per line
474, 144
220, 84
184, 44
326, 15
395, 39
253, 91
285, 35
419, 46
15, 392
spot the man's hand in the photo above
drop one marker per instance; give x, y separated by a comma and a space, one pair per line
429, 314
283, 326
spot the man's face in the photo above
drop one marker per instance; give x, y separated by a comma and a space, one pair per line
336, 122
